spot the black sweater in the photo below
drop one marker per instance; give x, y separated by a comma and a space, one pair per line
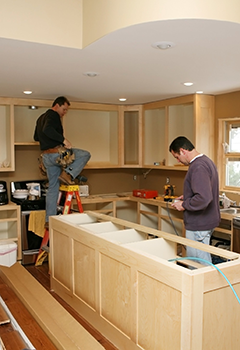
49, 130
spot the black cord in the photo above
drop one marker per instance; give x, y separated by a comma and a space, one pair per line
169, 215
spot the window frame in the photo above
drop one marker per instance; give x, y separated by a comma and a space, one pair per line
224, 154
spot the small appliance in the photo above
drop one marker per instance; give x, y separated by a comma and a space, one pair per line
3, 193
34, 190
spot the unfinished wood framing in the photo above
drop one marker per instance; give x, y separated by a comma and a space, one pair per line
61, 328
119, 278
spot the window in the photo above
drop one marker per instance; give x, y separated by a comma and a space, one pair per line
230, 162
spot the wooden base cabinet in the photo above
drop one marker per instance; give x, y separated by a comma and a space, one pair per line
10, 226
123, 282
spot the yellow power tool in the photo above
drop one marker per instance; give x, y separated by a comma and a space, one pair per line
169, 193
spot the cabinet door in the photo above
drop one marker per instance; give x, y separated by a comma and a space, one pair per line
6, 139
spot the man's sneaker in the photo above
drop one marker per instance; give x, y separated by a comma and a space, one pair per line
80, 179
46, 225
66, 179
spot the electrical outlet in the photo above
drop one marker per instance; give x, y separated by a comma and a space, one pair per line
168, 180
134, 177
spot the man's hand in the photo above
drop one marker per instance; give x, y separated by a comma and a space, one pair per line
178, 204
67, 143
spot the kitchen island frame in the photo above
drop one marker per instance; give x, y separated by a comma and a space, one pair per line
119, 277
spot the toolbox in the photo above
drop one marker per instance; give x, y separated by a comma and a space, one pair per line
145, 193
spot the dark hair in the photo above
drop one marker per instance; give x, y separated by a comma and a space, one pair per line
181, 142
60, 101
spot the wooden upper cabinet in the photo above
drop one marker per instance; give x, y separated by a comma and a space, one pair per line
190, 116
24, 124
130, 136
116, 136
7, 157
204, 113
95, 131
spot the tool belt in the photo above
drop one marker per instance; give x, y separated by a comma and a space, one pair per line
66, 156
41, 166
51, 150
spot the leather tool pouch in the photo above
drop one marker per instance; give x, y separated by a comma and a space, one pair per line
41, 166
66, 157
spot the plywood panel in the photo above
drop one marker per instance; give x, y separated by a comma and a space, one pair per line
158, 247
84, 273
101, 227
221, 319
159, 315
62, 263
124, 236
115, 294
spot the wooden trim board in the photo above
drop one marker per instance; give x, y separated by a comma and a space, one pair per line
63, 330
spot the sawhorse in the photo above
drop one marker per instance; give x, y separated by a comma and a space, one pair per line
70, 190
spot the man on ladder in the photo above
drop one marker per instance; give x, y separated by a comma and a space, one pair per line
62, 163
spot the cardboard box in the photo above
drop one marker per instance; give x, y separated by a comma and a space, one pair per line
8, 253
83, 190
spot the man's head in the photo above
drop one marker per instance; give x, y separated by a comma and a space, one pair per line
182, 149
60, 105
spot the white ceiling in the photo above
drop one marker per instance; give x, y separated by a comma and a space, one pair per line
206, 52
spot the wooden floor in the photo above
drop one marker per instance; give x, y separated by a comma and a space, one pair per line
42, 275
35, 334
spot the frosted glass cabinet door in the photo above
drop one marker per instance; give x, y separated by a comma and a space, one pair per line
6, 139
154, 137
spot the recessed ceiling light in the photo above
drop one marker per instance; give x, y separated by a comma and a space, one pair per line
27, 92
188, 83
122, 99
91, 74
163, 45
32, 107
199, 92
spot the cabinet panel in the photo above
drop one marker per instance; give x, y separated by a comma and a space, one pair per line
154, 136
95, 131
148, 215
10, 228
181, 123
131, 137
6, 139
24, 123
